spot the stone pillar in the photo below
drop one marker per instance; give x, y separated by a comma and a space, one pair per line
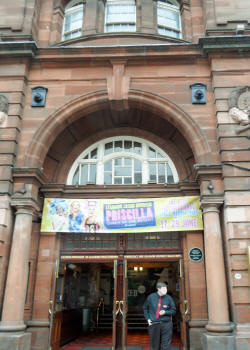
147, 17
12, 325
219, 328
39, 326
90, 17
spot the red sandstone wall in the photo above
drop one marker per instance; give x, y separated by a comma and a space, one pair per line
234, 148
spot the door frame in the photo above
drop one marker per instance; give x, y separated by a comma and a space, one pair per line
120, 299
183, 297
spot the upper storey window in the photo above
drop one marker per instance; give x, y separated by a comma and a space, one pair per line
168, 18
120, 16
122, 161
72, 26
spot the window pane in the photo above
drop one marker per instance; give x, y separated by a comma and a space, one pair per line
152, 171
92, 175
137, 147
127, 180
118, 161
75, 180
128, 146
108, 166
84, 174
138, 178
118, 181
137, 165
123, 171
108, 148
107, 178
151, 153
118, 146
161, 173
127, 161
93, 154
170, 175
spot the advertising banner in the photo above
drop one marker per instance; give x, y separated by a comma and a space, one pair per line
122, 215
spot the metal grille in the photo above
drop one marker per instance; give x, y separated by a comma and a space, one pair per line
71, 241
110, 241
167, 240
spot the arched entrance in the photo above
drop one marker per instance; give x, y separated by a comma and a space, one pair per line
80, 124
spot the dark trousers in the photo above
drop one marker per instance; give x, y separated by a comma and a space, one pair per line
160, 335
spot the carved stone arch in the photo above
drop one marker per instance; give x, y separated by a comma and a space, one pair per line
98, 100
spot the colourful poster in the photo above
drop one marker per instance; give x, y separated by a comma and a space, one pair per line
122, 215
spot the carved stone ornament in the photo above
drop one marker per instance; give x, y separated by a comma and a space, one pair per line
4, 107
239, 104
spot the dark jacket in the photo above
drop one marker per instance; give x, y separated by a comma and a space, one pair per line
150, 307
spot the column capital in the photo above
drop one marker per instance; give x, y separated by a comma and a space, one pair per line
25, 205
211, 203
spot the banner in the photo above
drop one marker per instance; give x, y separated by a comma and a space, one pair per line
121, 215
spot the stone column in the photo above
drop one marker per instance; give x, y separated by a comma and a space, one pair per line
90, 17
147, 22
219, 328
39, 326
12, 325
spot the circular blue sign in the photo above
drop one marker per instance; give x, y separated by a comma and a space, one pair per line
195, 254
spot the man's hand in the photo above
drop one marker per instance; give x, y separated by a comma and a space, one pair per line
149, 322
162, 312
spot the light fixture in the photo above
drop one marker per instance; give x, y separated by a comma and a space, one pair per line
138, 268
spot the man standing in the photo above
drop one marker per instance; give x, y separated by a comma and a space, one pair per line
158, 309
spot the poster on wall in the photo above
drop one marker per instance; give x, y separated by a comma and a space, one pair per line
122, 215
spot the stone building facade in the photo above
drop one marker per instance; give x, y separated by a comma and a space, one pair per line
181, 83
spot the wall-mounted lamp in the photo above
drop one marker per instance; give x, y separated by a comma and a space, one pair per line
198, 91
210, 186
38, 96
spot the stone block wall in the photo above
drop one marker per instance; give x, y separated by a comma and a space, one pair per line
235, 154
13, 87
222, 17
19, 19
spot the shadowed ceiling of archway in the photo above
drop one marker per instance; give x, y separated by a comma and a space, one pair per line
106, 120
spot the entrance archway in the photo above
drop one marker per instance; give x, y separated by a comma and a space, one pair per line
98, 101
77, 125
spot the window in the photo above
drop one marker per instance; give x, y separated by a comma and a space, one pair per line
168, 18
120, 16
72, 25
122, 161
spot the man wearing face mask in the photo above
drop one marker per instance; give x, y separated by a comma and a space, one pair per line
158, 309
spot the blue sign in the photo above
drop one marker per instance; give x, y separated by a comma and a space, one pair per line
129, 215
195, 254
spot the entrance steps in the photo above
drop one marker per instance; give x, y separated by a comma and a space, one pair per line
135, 322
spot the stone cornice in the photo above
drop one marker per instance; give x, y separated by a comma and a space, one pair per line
177, 51
27, 173
211, 200
102, 191
207, 170
25, 205
224, 43
18, 48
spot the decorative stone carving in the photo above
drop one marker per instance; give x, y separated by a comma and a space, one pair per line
239, 105
4, 107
